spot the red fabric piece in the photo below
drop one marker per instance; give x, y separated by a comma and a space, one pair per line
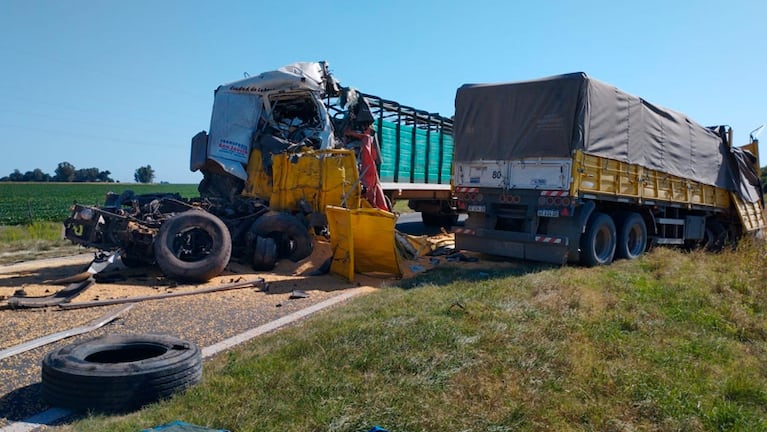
368, 171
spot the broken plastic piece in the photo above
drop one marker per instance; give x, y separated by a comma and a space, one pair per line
179, 426
298, 294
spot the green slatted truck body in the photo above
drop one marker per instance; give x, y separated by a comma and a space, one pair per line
416, 159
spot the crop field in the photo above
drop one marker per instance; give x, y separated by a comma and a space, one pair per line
25, 203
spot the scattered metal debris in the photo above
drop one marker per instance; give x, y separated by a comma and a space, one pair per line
55, 299
45, 340
230, 286
298, 294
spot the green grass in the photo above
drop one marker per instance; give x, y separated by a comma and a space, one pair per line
31, 214
25, 203
401, 207
36, 240
669, 342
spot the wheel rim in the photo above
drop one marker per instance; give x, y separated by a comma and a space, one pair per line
635, 240
192, 245
602, 242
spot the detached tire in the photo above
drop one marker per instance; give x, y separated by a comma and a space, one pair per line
598, 242
119, 373
193, 246
291, 236
264, 254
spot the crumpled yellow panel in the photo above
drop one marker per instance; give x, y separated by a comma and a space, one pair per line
412, 247
259, 183
367, 235
318, 177
341, 242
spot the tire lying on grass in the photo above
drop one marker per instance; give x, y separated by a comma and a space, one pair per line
119, 373
193, 246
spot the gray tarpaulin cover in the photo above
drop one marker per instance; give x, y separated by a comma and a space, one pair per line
553, 117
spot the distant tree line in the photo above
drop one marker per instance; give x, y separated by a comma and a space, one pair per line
65, 172
764, 179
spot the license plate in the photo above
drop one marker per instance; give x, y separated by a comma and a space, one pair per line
548, 213
476, 208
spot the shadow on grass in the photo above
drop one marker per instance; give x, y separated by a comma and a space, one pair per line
486, 268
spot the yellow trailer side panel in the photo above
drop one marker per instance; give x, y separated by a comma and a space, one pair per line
601, 176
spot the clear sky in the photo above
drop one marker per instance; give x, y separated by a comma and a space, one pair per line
121, 84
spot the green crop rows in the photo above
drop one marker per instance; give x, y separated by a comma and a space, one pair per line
24, 203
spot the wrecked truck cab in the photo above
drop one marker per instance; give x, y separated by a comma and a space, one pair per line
273, 112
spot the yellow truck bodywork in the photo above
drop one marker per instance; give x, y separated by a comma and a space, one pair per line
320, 178
600, 176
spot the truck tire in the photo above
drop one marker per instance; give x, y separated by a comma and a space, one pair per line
439, 219
193, 246
264, 253
119, 373
715, 236
132, 261
598, 242
632, 236
291, 236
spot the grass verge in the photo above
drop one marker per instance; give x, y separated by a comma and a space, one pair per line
670, 342
34, 241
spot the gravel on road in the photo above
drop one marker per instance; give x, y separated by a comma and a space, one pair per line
204, 319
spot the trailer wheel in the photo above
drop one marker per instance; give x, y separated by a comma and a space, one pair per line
292, 238
264, 253
598, 242
716, 236
439, 219
632, 236
193, 246
119, 373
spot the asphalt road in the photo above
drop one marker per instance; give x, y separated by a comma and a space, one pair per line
411, 223
202, 319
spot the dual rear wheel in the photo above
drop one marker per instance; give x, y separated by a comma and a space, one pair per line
623, 236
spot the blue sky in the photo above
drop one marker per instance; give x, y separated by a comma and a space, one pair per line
121, 84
